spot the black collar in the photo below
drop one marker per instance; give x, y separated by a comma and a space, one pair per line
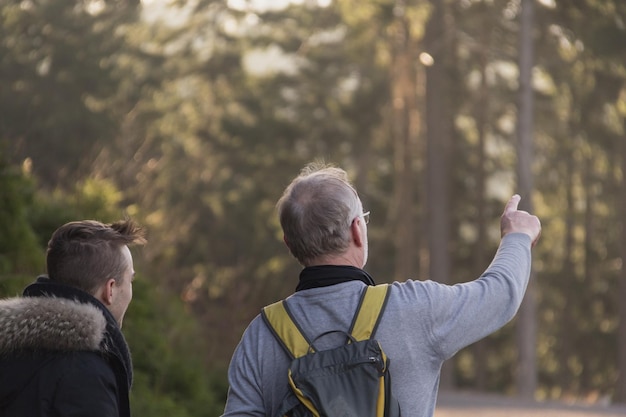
326, 275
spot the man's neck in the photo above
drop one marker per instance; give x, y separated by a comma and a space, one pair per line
347, 258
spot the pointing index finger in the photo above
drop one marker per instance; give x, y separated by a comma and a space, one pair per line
511, 206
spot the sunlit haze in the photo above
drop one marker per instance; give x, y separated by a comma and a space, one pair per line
252, 5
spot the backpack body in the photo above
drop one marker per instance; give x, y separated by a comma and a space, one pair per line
351, 380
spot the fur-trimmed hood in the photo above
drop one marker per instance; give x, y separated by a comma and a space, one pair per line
51, 329
113, 346
49, 323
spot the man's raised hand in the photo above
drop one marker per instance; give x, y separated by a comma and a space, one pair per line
519, 221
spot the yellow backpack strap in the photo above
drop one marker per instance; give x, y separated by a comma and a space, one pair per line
368, 314
279, 320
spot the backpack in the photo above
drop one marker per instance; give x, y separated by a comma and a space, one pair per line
351, 380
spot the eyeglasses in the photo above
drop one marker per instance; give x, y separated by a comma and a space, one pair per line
366, 217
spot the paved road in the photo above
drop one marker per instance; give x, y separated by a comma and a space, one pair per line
481, 405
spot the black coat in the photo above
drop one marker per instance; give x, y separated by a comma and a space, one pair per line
62, 354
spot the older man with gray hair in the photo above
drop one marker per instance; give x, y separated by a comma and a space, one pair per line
424, 322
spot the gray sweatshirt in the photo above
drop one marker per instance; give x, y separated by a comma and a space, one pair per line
424, 323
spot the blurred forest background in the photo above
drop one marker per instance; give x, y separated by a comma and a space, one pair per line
192, 117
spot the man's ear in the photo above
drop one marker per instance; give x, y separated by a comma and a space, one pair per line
106, 292
357, 232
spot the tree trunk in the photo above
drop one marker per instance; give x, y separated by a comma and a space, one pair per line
590, 259
480, 257
569, 271
620, 389
527, 323
404, 143
438, 139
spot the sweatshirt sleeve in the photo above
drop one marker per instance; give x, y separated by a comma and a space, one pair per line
245, 396
455, 316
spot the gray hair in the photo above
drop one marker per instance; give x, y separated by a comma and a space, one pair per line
316, 211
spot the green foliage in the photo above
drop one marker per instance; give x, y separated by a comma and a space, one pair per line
171, 379
18, 244
57, 71
29, 216
88, 199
